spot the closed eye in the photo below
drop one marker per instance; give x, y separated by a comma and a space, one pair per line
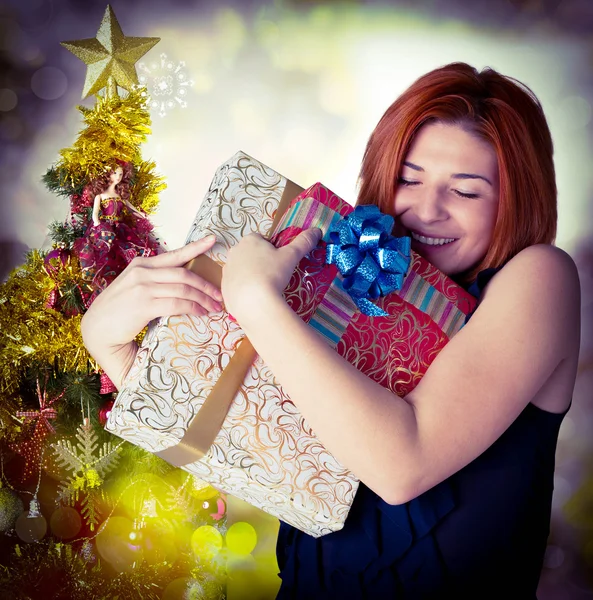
407, 182
465, 195
403, 181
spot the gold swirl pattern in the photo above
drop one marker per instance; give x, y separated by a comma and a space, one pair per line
266, 453
242, 199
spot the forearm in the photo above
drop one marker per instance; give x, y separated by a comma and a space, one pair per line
370, 430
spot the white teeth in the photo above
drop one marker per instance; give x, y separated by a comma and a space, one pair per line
431, 241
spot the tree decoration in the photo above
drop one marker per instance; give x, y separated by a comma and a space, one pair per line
107, 386
32, 448
115, 128
31, 526
105, 411
87, 471
59, 571
41, 306
110, 57
63, 233
11, 506
68, 295
33, 334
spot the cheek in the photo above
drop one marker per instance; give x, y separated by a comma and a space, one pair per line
485, 233
400, 203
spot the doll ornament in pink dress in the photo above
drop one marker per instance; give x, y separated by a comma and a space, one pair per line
118, 232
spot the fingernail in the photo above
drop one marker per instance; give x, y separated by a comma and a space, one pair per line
218, 295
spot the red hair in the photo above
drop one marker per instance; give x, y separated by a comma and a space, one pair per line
101, 183
496, 108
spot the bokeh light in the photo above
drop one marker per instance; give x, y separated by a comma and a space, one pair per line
160, 542
11, 128
241, 538
554, 557
31, 526
115, 545
8, 99
206, 541
49, 83
65, 522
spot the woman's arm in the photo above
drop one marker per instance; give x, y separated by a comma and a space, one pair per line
475, 388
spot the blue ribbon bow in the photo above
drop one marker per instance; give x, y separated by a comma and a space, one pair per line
372, 261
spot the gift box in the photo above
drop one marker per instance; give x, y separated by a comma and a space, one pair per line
200, 397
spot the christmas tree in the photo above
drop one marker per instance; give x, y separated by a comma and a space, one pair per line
84, 514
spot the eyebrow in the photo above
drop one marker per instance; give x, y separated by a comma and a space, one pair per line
455, 175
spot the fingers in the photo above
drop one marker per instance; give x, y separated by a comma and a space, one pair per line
177, 306
184, 291
180, 256
306, 241
174, 275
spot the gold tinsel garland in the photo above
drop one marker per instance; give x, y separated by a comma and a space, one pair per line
32, 333
115, 128
147, 186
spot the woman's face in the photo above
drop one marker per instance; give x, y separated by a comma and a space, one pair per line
448, 189
116, 175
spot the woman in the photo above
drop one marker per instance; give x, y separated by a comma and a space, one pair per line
458, 475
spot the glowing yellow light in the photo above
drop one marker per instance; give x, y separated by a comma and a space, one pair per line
113, 544
241, 538
206, 541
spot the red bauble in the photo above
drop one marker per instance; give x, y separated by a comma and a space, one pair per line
104, 412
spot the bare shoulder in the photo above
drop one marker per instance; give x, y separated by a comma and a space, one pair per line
541, 278
543, 283
540, 265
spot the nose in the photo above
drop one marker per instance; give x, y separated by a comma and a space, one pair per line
431, 205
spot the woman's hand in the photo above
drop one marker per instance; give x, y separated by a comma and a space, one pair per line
148, 288
255, 269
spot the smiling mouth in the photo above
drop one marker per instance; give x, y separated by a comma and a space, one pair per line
431, 241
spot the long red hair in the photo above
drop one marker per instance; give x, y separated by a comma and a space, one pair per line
101, 183
502, 111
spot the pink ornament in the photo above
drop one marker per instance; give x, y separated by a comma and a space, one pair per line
107, 386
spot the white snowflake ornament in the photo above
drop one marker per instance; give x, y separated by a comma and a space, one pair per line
167, 84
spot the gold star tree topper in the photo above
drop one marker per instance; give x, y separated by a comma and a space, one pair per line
110, 57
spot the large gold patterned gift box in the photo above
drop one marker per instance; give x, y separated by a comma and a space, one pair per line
199, 396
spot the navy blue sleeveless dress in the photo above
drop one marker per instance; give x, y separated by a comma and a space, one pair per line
479, 534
